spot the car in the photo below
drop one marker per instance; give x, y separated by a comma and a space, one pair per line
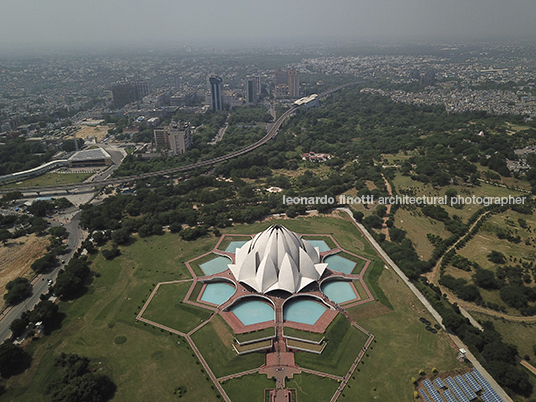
49, 282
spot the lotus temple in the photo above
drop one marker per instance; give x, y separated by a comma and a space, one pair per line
278, 291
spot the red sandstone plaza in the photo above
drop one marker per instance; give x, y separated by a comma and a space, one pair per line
283, 274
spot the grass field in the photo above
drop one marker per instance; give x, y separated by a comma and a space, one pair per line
51, 179
167, 308
417, 227
250, 336
298, 333
344, 344
215, 341
108, 310
248, 388
483, 190
312, 388
486, 240
402, 347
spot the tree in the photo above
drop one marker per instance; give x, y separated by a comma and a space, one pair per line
41, 208
44, 311
13, 359
358, 215
17, 290
485, 279
121, 236
514, 296
58, 231
17, 327
44, 263
496, 257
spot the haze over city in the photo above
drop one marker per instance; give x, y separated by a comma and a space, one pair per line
57, 23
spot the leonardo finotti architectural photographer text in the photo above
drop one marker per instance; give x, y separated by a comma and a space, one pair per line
404, 200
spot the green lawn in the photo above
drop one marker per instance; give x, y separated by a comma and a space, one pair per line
214, 341
261, 333
313, 388
298, 333
402, 347
51, 179
248, 388
108, 310
167, 308
344, 344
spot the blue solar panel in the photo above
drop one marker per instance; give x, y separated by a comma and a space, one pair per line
439, 383
432, 391
448, 396
487, 388
486, 397
457, 391
465, 388
472, 383
423, 394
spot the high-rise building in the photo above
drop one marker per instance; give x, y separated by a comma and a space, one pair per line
293, 83
287, 83
252, 90
216, 93
130, 91
177, 137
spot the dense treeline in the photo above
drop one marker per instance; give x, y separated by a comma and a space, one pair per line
19, 154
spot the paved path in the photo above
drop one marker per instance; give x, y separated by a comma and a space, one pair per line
426, 304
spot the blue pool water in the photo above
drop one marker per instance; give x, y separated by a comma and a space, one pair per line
218, 264
338, 291
231, 248
340, 264
217, 293
305, 311
253, 312
321, 244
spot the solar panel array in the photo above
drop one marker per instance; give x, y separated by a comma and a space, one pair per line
432, 391
465, 388
489, 393
471, 381
439, 383
448, 396
423, 394
457, 391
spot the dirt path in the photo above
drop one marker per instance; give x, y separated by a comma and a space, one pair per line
16, 259
433, 276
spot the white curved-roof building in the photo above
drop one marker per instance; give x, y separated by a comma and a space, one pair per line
277, 259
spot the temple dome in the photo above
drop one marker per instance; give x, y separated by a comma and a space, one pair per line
277, 259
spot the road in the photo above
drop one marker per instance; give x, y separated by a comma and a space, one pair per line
270, 135
40, 283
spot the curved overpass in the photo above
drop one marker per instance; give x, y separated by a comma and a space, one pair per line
271, 134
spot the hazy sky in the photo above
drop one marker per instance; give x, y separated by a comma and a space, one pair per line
205, 21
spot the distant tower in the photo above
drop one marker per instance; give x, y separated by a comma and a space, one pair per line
293, 83
287, 84
252, 90
216, 93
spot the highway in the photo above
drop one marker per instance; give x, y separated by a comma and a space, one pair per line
40, 283
270, 135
